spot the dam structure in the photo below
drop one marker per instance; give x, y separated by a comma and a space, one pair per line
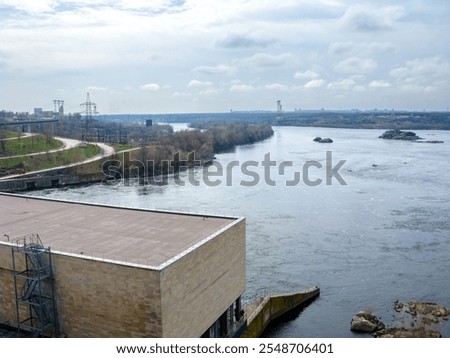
70, 269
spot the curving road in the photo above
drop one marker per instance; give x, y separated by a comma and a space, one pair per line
67, 144
24, 135
105, 151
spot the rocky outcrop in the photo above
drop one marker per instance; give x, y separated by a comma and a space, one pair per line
433, 311
366, 322
405, 135
323, 140
420, 320
397, 134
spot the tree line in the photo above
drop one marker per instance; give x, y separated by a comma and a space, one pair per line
186, 148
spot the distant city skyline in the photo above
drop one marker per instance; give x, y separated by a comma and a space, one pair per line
175, 56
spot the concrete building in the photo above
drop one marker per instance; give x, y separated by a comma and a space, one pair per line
118, 272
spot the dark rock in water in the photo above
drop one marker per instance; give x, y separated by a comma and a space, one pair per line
366, 322
322, 140
428, 308
418, 320
326, 140
404, 135
397, 134
360, 324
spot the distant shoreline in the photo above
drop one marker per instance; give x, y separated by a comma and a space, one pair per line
329, 119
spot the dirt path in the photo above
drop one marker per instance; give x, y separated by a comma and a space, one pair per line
24, 135
67, 144
105, 151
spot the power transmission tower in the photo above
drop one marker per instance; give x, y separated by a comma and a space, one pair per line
279, 110
89, 109
58, 110
279, 107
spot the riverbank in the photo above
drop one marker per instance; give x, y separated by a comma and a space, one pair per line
169, 155
324, 118
413, 320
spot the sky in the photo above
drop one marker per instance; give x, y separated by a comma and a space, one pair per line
189, 56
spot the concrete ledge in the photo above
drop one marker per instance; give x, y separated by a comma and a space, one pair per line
50, 180
273, 307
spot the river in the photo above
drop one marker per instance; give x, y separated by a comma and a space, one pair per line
383, 236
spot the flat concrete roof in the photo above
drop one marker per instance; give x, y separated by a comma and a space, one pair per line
128, 235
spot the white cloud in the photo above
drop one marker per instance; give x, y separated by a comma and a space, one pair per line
422, 73
237, 41
211, 91
338, 48
265, 60
199, 84
152, 87
345, 84
361, 48
33, 7
379, 84
96, 88
276, 87
423, 68
356, 65
213, 70
110, 45
411, 87
369, 18
400, 72
181, 94
204, 88
241, 88
315, 84
306, 74
153, 5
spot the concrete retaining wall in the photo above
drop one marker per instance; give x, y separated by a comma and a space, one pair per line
46, 182
274, 307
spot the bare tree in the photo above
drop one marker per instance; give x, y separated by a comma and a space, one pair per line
2, 139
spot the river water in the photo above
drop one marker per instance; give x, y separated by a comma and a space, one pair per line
383, 236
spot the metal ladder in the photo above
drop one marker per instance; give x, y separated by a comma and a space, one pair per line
34, 287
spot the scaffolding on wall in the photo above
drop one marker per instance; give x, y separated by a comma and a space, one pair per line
34, 287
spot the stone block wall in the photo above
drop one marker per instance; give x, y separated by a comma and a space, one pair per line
102, 299
94, 298
7, 296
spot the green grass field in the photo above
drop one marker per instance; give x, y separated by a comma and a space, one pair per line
9, 134
28, 163
28, 145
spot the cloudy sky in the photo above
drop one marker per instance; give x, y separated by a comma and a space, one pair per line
175, 56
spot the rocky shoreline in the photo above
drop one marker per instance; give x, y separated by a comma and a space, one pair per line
417, 320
